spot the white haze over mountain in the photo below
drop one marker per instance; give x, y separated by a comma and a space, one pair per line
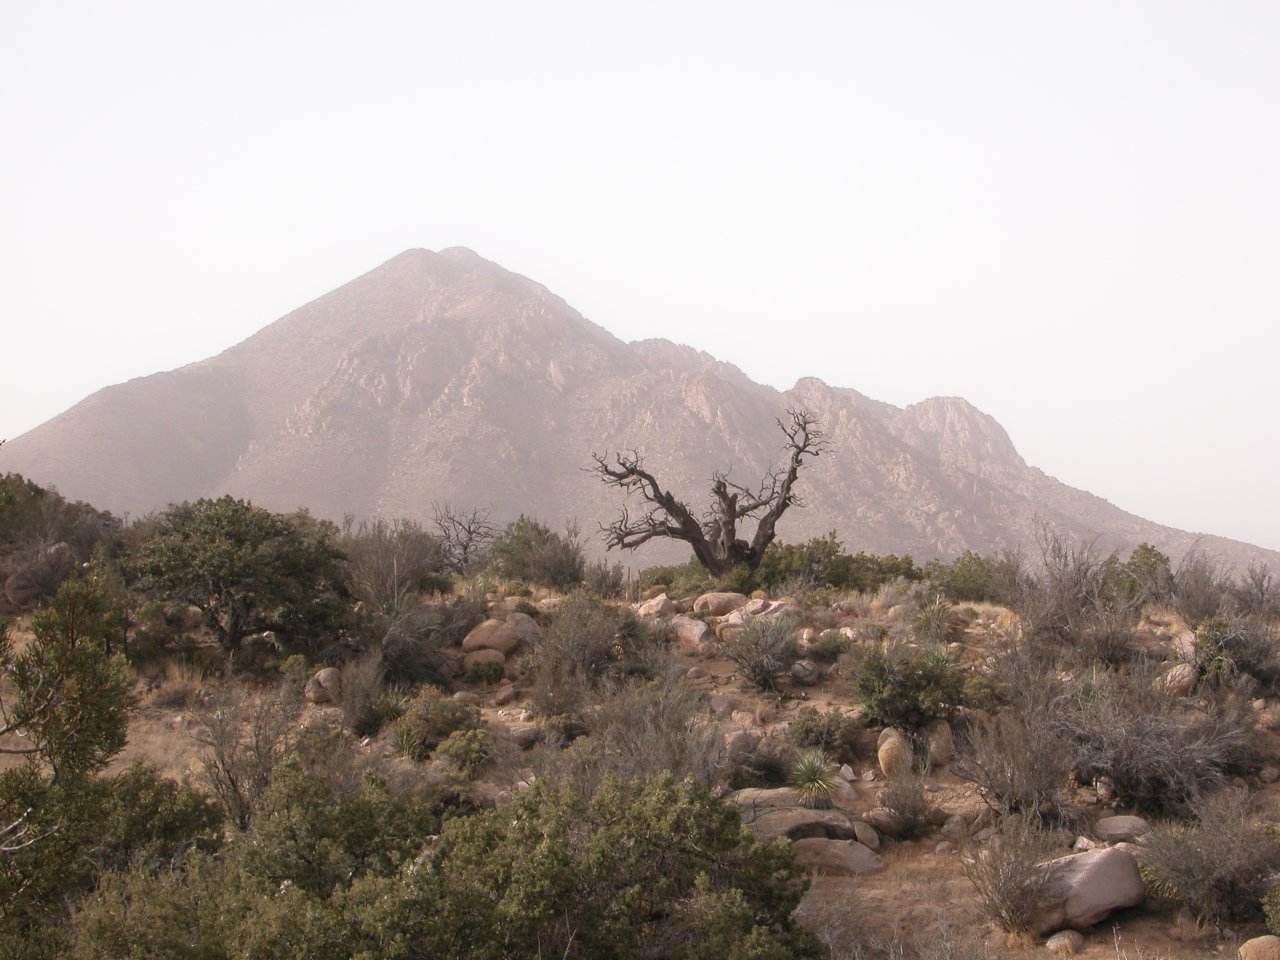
1065, 214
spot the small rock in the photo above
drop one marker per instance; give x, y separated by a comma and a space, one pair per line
721, 706
1269, 773
506, 694
808, 635
955, 828
467, 697
1082, 844
696, 673
944, 846
846, 773
1105, 789
985, 834
1261, 948
1065, 941
805, 673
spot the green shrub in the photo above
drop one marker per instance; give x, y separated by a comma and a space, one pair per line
934, 623
485, 673
588, 642
763, 649
907, 688
1218, 866
637, 869
832, 731
830, 646
468, 750
532, 552
969, 578
429, 720
813, 779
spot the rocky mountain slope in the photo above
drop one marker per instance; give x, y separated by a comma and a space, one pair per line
443, 377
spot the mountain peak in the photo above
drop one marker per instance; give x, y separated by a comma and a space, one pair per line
442, 376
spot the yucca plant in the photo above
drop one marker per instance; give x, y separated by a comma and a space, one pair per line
813, 779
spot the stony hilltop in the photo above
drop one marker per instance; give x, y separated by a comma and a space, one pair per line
444, 377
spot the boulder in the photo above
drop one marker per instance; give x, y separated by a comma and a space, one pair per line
886, 734
954, 828
496, 635
805, 673
720, 705
507, 693
1260, 948
688, 632
526, 735
942, 745
738, 744
659, 606
835, 858
529, 630
718, 604
894, 757
885, 821
866, 835
1119, 829
797, 823
1065, 941
1085, 887
1184, 645
324, 687
1181, 679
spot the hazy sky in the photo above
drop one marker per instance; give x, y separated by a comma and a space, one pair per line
1067, 213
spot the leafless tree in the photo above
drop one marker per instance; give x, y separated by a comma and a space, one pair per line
465, 536
714, 538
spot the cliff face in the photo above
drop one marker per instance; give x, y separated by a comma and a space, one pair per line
442, 376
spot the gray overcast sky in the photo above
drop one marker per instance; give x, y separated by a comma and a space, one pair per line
1067, 213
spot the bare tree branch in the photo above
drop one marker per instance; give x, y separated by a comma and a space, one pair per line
714, 539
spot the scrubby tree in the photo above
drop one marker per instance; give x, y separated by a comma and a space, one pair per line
465, 536
531, 551
63, 714
714, 538
246, 568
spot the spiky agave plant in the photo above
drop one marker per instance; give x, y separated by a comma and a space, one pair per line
813, 779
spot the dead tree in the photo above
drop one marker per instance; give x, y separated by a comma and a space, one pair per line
714, 538
465, 536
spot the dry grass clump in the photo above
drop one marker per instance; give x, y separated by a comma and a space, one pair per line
1007, 874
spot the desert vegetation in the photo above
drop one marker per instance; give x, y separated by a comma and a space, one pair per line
231, 733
